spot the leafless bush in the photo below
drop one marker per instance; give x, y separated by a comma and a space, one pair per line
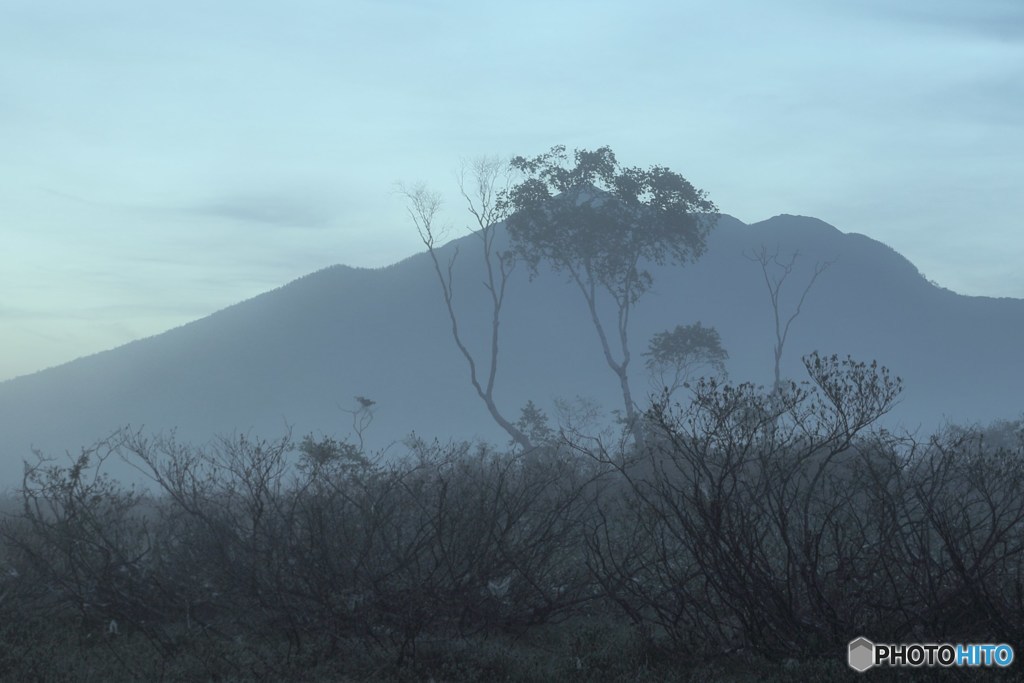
775, 522
247, 542
741, 527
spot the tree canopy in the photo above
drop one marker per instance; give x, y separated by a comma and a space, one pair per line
672, 355
603, 225
596, 220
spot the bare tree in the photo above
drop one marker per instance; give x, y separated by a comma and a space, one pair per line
362, 417
771, 261
480, 183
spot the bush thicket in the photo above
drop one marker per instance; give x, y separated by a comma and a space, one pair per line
756, 531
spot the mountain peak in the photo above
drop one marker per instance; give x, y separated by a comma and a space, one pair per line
295, 356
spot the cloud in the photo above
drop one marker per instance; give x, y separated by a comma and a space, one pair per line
999, 20
279, 211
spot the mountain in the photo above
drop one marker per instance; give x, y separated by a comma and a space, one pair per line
296, 356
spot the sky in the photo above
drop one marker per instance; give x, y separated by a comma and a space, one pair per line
160, 161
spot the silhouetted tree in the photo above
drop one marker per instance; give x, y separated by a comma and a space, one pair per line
482, 192
534, 422
673, 355
774, 284
362, 417
602, 225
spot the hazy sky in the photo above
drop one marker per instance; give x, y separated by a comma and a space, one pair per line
159, 161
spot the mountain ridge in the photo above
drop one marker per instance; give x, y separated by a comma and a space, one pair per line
297, 354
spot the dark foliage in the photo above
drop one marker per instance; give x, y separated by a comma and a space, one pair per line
602, 225
753, 538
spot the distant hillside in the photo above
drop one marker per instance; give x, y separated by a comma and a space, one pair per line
298, 355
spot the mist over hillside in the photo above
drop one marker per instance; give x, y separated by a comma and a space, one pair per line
298, 355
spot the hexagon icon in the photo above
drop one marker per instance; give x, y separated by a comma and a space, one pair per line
862, 654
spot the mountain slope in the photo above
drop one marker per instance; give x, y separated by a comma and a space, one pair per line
298, 354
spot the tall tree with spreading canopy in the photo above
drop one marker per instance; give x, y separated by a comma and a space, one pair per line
603, 225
